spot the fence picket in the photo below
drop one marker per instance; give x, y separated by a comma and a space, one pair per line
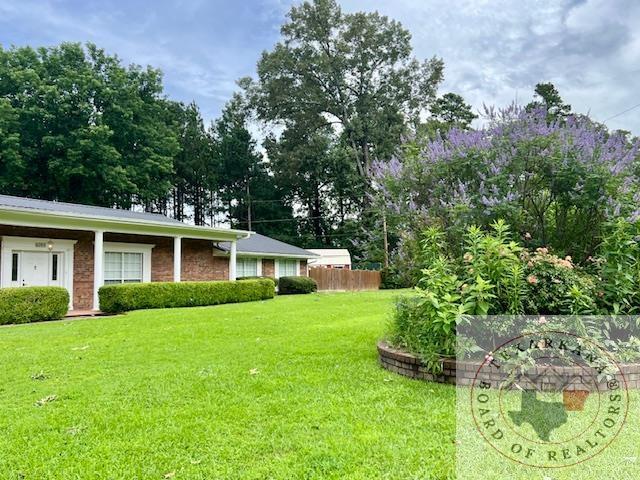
337, 279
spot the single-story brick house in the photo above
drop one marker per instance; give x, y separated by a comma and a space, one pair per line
81, 248
259, 255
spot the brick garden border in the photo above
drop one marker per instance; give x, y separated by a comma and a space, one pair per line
463, 373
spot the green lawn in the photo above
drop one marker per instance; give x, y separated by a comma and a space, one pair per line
287, 388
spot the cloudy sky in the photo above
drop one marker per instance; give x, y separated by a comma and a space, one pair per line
494, 51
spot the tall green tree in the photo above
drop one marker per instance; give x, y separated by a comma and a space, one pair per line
83, 127
302, 166
247, 192
451, 110
12, 165
547, 96
313, 169
447, 112
195, 166
352, 71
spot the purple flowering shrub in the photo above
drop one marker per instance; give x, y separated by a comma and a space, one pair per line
556, 182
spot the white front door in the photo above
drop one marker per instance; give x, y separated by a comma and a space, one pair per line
35, 262
34, 269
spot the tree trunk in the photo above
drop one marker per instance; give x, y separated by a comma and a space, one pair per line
178, 203
316, 214
248, 207
366, 159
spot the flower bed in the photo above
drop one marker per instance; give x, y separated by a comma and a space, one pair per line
490, 284
465, 373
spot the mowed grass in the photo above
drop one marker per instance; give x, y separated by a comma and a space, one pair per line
286, 388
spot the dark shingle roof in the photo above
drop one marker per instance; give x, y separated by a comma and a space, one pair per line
84, 210
257, 243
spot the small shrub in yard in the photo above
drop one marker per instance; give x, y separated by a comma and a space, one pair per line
32, 304
274, 280
391, 278
137, 296
293, 285
555, 285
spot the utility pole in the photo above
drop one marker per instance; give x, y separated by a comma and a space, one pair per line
386, 240
248, 207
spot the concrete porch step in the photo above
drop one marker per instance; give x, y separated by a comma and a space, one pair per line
85, 313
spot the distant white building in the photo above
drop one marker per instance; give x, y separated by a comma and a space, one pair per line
330, 258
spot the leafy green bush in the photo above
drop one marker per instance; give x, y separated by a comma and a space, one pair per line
425, 323
274, 280
32, 304
136, 296
618, 268
496, 276
491, 260
556, 286
294, 285
392, 278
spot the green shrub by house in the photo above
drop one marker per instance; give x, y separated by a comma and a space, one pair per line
138, 296
32, 304
274, 280
293, 285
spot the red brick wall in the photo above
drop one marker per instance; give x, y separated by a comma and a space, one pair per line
198, 261
268, 267
83, 271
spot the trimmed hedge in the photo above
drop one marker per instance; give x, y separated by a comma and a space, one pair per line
274, 280
138, 296
294, 285
32, 304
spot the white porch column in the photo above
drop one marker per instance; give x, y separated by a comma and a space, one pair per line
177, 258
232, 261
98, 257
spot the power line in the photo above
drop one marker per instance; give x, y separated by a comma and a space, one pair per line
281, 200
330, 235
621, 113
300, 219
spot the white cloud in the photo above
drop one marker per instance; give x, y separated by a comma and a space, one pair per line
494, 50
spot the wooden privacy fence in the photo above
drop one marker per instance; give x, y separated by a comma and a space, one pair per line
337, 279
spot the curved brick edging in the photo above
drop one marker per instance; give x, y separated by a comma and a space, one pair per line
464, 373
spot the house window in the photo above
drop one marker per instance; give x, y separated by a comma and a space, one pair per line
54, 267
287, 268
14, 267
246, 267
122, 267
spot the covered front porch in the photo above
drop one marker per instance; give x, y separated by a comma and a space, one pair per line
82, 254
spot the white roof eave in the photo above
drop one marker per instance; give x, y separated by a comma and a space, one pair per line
74, 221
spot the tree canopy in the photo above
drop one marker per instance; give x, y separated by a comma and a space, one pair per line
341, 98
354, 71
79, 126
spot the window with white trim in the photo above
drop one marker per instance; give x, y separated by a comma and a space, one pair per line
246, 267
123, 267
287, 268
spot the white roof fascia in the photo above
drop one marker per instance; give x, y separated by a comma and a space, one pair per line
73, 221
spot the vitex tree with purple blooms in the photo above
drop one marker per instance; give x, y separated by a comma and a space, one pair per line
554, 180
